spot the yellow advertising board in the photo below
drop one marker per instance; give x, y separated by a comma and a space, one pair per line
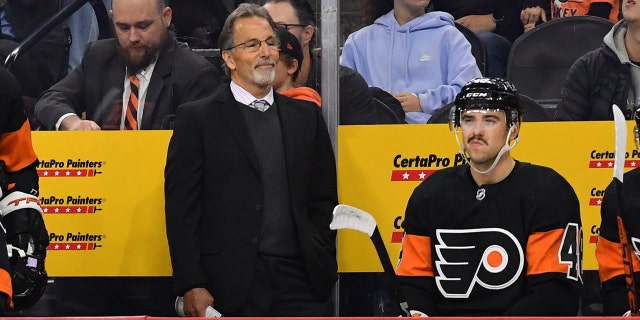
102, 191
102, 194
379, 166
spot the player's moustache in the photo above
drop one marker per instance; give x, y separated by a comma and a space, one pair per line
477, 139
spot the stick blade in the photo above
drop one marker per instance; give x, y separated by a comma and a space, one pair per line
348, 217
621, 142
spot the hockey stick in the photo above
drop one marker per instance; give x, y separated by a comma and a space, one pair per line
618, 167
348, 217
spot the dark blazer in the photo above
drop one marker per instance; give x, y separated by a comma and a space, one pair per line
96, 86
214, 196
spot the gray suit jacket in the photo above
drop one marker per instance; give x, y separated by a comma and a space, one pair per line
214, 196
96, 86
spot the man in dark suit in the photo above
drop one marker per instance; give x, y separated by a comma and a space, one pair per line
167, 75
250, 184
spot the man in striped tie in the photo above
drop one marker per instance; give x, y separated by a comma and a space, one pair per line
133, 82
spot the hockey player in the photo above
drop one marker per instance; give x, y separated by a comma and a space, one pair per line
495, 236
23, 236
615, 301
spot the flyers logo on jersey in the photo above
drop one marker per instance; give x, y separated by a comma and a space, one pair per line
489, 257
636, 246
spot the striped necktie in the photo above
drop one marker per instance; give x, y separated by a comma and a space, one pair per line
260, 105
131, 118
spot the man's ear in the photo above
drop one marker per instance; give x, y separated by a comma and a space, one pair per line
307, 34
292, 67
516, 131
228, 59
167, 14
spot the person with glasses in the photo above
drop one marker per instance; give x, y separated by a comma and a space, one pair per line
356, 100
494, 236
250, 186
297, 17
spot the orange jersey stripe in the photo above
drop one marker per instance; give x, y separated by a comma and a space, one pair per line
16, 149
542, 252
416, 257
609, 256
5, 286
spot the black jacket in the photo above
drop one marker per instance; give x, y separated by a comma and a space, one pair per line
506, 12
595, 82
96, 86
214, 196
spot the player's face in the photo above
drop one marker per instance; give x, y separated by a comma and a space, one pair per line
252, 68
484, 133
141, 28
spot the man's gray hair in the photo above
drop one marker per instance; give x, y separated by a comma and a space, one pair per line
244, 10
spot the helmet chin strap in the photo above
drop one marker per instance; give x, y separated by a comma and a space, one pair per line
504, 149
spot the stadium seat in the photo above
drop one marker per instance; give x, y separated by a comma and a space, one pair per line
540, 59
478, 49
533, 112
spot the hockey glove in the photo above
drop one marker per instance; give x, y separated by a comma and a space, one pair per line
27, 241
22, 219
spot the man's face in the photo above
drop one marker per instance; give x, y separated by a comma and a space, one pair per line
630, 10
484, 133
282, 73
411, 4
283, 13
252, 70
141, 29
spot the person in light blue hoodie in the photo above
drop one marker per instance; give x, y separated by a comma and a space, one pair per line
419, 57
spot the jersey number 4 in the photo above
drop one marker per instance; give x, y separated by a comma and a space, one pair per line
570, 252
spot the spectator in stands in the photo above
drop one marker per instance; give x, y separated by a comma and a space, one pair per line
607, 75
84, 29
495, 236
144, 52
535, 12
610, 251
250, 186
287, 70
356, 100
421, 58
495, 22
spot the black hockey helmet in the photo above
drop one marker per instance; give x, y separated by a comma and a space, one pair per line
28, 278
487, 94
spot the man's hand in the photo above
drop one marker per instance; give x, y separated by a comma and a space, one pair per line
409, 101
74, 123
478, 22
196, 302
530, 17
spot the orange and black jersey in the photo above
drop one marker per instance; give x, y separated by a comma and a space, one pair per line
609, 250
513, 248
17, 158
16, 150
